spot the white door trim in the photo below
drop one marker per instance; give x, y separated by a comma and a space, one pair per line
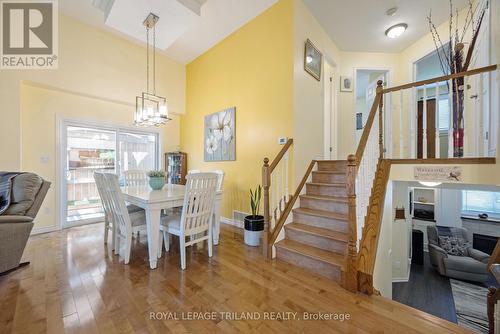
61, 144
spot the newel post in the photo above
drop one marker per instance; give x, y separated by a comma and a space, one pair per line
380, 118
351, 270
266, 182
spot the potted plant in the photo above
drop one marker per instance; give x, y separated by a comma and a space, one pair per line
254, 224
156, 179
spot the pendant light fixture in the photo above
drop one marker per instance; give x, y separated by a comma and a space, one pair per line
150, 109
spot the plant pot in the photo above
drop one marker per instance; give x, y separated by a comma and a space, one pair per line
156, 183
254, 225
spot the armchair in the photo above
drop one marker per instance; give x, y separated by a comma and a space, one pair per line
471, 267
27, 194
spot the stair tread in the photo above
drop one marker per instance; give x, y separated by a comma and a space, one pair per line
333, 184
326, 198
321, 213
312, 252
329, 172
323, 232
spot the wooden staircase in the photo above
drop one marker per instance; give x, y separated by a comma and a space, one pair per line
317, 237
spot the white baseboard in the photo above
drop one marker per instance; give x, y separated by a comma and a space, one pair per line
403, 279
228, 221
46, 229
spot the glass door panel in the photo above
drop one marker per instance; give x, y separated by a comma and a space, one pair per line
88, 150
137, 151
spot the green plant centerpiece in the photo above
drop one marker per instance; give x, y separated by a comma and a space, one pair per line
254, 224
156, 179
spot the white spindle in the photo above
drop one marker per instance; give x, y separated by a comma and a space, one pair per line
286, 175
413, 119
424, 123
366, 175
401, 138
436, 119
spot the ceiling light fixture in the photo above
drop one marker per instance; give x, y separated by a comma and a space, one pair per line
150, 109
429, 183
391, 11
396, 30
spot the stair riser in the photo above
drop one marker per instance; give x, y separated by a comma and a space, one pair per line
317, 241
324, 205
319, 267
332, 166
329, 223
328, 178
313, 189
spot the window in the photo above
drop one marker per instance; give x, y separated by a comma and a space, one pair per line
444, 114
475, 202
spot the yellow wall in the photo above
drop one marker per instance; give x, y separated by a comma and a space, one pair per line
40, 108
252, 70
98, 77
91, 62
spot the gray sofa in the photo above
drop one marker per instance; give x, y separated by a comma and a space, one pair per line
27, 194
470, 267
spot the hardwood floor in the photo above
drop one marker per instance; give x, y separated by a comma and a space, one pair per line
75, 285
427, 290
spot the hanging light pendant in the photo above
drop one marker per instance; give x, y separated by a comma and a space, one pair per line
150, 109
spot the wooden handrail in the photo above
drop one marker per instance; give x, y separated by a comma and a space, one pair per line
442, 78
280, 155
288, 208
368, 127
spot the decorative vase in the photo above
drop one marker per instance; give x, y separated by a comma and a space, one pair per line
156, 183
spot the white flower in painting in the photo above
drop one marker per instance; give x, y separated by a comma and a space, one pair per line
221, 125
211, 145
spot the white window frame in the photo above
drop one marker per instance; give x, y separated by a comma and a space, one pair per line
61, 145
474, 213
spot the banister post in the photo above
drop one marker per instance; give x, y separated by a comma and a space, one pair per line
266, 182
380, 119
351, 270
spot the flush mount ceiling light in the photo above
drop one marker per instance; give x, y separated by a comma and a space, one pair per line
396, 30
429, 184
150, 109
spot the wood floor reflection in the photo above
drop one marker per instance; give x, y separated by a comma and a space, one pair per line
75, 285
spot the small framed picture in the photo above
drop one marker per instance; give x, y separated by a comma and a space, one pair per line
312, 60
345, 84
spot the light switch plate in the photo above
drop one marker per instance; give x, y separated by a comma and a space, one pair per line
282, 140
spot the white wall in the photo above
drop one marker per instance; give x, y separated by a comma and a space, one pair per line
308, 92
382, 274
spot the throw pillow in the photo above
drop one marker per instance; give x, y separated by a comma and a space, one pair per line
454, 246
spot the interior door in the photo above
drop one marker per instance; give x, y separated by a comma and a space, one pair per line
430, 128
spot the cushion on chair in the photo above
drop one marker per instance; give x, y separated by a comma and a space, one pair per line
25, 187
454, 245
464, 263
131, 208
171, 223
138, 218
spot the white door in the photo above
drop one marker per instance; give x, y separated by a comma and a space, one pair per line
330, 117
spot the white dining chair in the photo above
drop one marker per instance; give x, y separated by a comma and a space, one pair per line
125, 224
108, 224
220, 178
135, 177
196, 218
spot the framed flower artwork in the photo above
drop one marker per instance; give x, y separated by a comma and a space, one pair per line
220, 139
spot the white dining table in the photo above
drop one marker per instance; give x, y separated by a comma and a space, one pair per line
154, 201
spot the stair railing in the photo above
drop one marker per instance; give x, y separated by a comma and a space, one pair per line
369, 159
275, 184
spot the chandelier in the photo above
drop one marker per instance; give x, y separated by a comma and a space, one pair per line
150, 109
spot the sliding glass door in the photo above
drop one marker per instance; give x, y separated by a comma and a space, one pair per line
90, 149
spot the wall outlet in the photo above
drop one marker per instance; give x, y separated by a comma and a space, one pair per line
47, 211
44, 159
282, 140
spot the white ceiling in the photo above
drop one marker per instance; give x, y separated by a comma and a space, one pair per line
182, 36
359, 25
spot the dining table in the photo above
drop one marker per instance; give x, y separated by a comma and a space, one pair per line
154, 201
